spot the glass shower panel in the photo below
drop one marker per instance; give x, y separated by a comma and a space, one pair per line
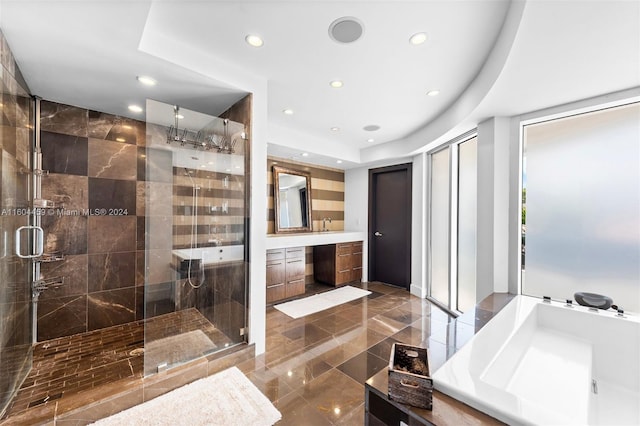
467, 223
582, 182
195, 210
440, 213
16, 226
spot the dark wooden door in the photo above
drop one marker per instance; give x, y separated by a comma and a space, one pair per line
390, 225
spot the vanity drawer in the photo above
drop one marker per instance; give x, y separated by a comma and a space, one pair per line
294, 288
344, 248
295, 268
295, 252
275, 272
275, 254
275, 293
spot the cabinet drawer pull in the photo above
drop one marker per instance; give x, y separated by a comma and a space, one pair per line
358, 252
294, 261
343, 271
274, 265
276, 285
295, 281
357, 267
343, 255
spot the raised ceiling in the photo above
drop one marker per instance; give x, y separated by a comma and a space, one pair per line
486, 58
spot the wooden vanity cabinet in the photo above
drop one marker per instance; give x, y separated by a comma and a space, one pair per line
338, 264
285, 273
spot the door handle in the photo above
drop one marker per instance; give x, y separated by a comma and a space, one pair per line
378, 234
39, 242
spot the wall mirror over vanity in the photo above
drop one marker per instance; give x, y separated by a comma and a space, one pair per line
292, 200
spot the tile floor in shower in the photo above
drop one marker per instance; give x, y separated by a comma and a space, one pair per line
66, 366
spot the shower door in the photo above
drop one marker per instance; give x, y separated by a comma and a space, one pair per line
195, 279
20, 242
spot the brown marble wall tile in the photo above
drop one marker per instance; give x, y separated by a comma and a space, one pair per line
140, 298
66, 119
158, 299
112, 194
112, 160
140, 232
158, 197
70, 190
9, 104
73, 269
62, 317
159, 232
62, 153
158, 269
140, 267
111, 234
23, 147
112, 307
66, 234
116, 128
109, 271
155, 165
9, 181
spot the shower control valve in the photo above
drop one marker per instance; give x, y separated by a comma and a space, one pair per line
569, 303
620, 312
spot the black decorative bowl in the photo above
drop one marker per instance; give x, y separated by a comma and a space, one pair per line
593, 300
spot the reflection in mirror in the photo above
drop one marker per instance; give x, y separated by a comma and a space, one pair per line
292, 200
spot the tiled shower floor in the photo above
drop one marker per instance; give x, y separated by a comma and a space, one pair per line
66, 366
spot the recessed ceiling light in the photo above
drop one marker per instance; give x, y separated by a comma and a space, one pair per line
147, 81
336, 84
179, 116
127, 127
433, 93
418, 38
135, 108
339, 161
202, 165
211, 163
287, 111
305, 154
371, 140
121, 140
254, 40
335, 129
371, 128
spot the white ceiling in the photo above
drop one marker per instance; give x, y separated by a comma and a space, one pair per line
487, 58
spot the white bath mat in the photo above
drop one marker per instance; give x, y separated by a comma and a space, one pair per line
226, 398
319, 302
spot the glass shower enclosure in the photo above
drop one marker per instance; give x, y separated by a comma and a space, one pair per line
195, 255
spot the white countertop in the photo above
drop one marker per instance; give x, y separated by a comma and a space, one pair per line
275, 241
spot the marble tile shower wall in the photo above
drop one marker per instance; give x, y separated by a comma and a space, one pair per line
15, 292
96, 164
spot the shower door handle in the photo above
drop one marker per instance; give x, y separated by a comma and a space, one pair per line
39, 241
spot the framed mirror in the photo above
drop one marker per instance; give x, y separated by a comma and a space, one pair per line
292, 200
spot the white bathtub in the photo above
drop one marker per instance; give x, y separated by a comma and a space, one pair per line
542, 363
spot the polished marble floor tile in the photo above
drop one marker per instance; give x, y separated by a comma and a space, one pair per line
314, 367
363, 366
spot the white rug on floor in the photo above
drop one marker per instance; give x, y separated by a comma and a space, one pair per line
319, 302
226, 398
